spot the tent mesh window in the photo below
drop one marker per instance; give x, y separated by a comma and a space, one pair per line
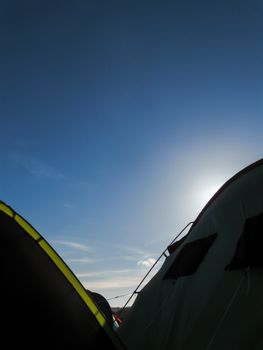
189, 258
249, 249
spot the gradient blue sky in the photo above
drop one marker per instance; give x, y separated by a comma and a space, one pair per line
119, 120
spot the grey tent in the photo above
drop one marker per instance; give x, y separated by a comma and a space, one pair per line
43, 304
208, 294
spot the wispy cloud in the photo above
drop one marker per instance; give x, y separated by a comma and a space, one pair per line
36, 166
103, 267
74, 245
131, 249
68, 205
82, 185
104, 273
127, 252
41, 169
81, 260
113, 283
149, 262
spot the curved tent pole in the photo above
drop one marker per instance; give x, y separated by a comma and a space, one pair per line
163, 254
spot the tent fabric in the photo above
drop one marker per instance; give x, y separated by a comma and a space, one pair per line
43, 304
213, 308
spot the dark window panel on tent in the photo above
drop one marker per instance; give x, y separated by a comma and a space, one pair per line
189, 258
249, 249
172, 247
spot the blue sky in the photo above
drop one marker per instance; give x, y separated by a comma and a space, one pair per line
119, 120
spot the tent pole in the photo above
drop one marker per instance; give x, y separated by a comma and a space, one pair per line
163, 254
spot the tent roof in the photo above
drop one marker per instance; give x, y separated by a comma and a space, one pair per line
208, 293
242, 172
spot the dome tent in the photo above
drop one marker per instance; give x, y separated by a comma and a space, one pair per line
43, 304
208, 293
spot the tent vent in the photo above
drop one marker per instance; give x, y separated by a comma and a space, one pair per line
249, 249
189, 258
172, 247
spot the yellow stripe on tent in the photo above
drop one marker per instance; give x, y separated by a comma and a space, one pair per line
72, 279
27, 227
4, 208
22, 222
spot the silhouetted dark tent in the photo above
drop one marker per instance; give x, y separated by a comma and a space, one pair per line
208, 294
43, 304
103, 305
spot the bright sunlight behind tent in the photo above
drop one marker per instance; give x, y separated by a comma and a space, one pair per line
207, 192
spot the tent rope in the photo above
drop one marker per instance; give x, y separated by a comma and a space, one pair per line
163, 254
119, 296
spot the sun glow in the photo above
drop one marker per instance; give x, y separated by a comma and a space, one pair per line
206, 192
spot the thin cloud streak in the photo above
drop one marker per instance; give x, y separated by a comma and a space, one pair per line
106, 251
108, 281
146, 262
105, 272
125, 251
113, 283
68, 205
130, 281
36, 167
74, 245
81, 261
